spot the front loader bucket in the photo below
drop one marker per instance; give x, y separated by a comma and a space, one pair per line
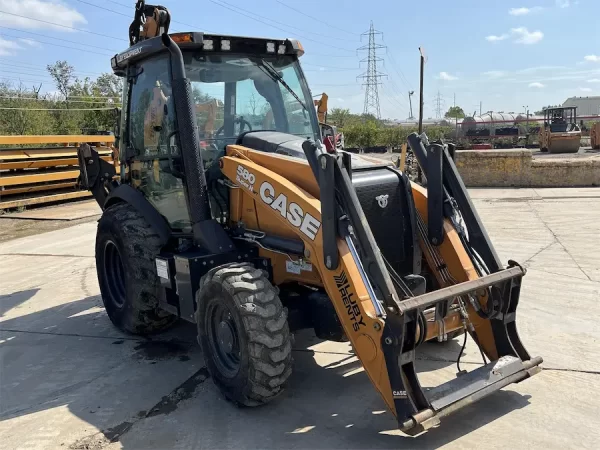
418, 410
460, 255
389, 320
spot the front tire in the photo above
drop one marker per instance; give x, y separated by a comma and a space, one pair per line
244, 334
126, 247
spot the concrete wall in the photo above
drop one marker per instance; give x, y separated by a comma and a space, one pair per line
517, 168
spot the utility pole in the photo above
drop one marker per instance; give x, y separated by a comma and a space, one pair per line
410, 94
372, 76
480, 107
421, 90
526, 108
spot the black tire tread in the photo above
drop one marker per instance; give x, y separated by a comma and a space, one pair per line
141, 244
265, 323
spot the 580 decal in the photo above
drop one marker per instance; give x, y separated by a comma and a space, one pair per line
245, 178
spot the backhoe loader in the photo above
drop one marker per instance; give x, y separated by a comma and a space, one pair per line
275, 233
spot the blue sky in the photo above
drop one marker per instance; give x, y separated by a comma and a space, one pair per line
506, 54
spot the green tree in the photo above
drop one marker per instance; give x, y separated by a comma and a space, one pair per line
338, 117
455, 112
363, 135
63, 75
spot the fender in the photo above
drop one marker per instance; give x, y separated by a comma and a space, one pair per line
127, 194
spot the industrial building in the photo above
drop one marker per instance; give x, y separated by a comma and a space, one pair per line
586, 106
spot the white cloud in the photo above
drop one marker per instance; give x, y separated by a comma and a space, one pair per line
8, 48
594, 80
563, 3
524, 11
521, 35
446, 76
30, 42
494, 73
592, 58
494, 38
536, 84
48, 10
585, 89
524, 36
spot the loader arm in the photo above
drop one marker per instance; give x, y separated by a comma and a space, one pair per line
283, 204
382, 330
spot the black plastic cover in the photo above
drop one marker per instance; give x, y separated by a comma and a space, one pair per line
274, 142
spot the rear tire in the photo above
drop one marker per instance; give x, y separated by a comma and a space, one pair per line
126, 246
244, 334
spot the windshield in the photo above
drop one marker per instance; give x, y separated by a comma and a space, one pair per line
234, 94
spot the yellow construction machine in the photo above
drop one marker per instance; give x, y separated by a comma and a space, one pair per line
276, 226
560, 132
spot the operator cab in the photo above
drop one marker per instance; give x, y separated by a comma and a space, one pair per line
244, 90
561, 119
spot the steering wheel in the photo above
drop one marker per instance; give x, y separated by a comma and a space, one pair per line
239, 120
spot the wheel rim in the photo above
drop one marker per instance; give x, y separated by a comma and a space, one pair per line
114, 275
223, 338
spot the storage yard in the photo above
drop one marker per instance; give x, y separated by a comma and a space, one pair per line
198, 252
71, 380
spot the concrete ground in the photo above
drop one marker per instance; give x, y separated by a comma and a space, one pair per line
69, 379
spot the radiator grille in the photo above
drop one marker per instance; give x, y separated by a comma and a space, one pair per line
391, 225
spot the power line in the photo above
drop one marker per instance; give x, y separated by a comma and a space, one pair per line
398, 91
57, 45
131, 7
63, 26
23, 80
39, 69
237, 10
58, 109
400, 73
337, 84
391, 96
58, 39
119, 4
55, 101
394, 96
329, 25
105, 9
372, 75
285, 24
330, 67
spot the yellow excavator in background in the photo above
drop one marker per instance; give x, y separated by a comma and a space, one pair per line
331, 136
321, 106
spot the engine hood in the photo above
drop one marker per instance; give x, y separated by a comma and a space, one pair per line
290, 145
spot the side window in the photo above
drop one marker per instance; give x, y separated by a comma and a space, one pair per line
151, 124
152, 111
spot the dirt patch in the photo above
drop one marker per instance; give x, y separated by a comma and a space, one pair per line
18, 228
161, 350
166, 405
